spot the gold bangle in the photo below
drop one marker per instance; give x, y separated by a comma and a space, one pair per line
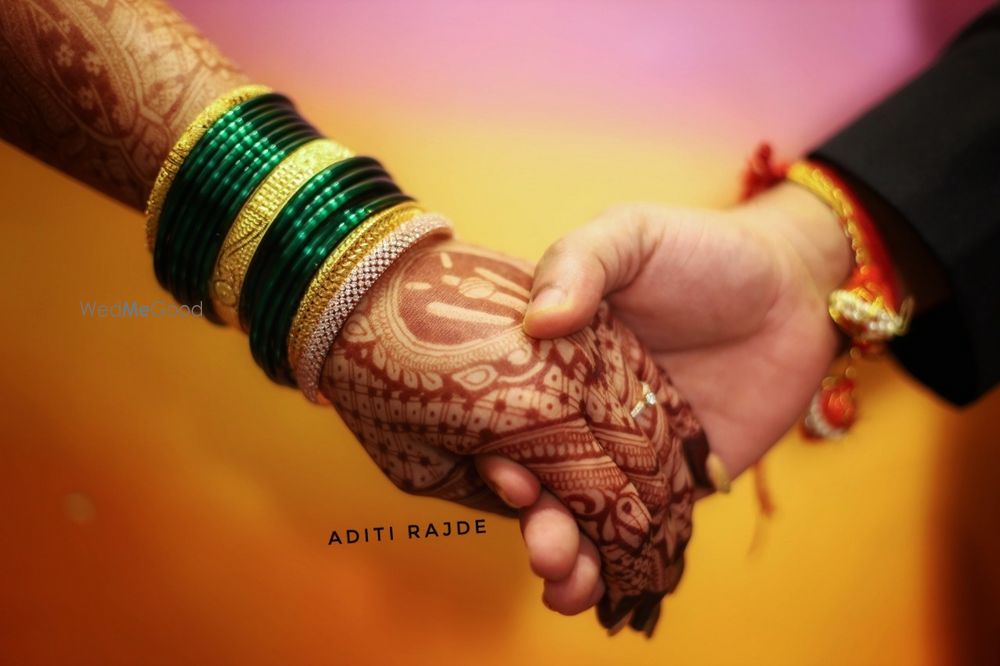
335, 270
256, 216
188, 138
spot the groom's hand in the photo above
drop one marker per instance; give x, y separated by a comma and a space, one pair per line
731, 303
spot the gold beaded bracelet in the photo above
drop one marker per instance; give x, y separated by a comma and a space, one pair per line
868, 308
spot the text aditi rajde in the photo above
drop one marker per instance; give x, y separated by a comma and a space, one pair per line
412, 531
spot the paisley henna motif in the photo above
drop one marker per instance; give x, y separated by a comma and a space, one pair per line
433, 367
101, 89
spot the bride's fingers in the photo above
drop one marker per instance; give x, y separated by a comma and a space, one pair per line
514, 483
671, 415
551, 536
582, 588
631, 427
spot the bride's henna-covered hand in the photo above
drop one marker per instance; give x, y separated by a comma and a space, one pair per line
85, 92
433, 368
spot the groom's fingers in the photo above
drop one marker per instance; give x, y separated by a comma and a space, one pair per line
582, 588
577, 271
551, 536
514, 483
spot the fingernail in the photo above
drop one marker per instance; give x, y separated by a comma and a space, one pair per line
548, 297
717, 473
621, 624
500, 494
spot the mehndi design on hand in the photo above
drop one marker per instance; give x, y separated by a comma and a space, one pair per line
433, 367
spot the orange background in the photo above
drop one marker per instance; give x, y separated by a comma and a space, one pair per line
164, 503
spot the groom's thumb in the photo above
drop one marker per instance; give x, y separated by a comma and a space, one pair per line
580, 269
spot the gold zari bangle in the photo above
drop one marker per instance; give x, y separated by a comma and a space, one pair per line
175, 158
256, 216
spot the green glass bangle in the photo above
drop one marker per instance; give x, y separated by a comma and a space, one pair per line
210, 188
196, 204
295, 227
256, 170
314, 221
225, 184
324, 223
269, 331
222, 182
173, 198
294, 221
230, 131
298, 212
176, 199
279, 368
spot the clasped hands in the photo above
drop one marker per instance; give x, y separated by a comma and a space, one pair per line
472, 377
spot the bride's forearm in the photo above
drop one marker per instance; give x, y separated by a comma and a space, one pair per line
102, 92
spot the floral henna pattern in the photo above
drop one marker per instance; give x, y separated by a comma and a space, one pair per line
101, 89
675, 432
433, 367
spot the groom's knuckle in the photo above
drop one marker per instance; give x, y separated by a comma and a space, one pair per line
559, 250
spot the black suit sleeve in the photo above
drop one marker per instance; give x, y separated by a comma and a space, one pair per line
931, 151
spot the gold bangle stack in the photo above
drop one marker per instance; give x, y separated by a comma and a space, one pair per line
276, 229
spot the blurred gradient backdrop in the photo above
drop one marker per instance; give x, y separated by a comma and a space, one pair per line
164, 503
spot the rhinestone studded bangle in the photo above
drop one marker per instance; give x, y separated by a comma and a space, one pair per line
339, 290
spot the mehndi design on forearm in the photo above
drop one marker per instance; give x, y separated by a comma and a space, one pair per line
432, 366
101, 90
